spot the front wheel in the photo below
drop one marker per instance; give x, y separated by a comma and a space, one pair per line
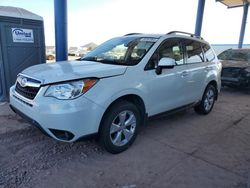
120, 126
207, 102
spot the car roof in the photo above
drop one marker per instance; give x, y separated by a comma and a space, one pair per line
143, 35
239, 50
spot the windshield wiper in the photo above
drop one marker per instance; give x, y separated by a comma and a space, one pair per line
101, 60
88, 58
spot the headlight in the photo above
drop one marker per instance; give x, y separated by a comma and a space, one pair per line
247, 72
70, 90
247, 69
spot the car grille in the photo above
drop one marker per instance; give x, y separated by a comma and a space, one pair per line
231, 72
27, 91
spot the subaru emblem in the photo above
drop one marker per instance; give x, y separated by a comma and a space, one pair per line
23, 81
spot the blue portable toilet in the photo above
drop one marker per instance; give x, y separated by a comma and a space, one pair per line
22, 44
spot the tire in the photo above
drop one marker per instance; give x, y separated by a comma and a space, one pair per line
207, 102
120, 126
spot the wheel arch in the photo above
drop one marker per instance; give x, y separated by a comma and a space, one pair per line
214, 83
132, 98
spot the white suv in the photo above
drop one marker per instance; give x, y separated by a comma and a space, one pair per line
112, 90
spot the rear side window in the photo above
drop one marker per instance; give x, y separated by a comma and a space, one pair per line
208, 52
194, 51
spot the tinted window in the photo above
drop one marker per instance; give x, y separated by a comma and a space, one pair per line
208, 52
223, 55
236, 55
170, 48
194, 52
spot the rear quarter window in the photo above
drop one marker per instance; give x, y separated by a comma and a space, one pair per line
208, 53
194, 52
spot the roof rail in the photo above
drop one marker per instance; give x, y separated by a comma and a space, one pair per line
133, 34
185, 33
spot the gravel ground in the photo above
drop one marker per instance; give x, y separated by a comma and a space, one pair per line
181, 150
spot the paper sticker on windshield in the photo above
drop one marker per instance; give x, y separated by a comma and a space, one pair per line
148, 39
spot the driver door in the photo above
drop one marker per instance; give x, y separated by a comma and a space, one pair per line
166, 91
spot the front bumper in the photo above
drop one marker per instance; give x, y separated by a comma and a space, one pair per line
64, 120
235, 82
29, 120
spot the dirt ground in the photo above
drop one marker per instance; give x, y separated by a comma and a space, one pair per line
177, 151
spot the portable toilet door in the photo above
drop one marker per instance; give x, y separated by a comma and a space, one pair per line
22, 44
2, 83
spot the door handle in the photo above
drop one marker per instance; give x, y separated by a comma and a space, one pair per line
184, 73
208, 68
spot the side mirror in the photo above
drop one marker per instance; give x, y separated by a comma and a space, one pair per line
165, 62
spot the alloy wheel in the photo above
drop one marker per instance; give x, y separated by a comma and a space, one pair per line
123, 128
209, 100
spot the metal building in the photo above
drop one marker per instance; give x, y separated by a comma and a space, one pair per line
22, 44
230, 4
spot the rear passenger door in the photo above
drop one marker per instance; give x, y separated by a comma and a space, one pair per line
196, 69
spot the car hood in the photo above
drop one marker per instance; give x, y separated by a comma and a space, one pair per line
71, 70
236, 64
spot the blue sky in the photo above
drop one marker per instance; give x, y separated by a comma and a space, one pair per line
99, 20
46, 7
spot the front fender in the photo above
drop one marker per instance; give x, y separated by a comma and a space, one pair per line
107, 90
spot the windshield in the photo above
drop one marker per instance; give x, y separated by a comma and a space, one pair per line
121, 51
236, 55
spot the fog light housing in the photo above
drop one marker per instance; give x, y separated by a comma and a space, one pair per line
62, 135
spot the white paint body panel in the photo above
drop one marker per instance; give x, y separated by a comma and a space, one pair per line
72, 70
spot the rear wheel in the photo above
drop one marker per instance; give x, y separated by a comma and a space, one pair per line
207, 102
120, 126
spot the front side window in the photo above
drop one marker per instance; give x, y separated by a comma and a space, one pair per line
224, 55
121, 51
194, 52
170, 48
